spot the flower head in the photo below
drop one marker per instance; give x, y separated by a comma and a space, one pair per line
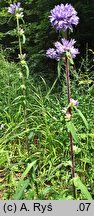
74, 102
16, 9
51, 53
63, 17
61, 48
69, 46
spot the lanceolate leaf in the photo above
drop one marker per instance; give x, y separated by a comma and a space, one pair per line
24, 39
19, 192
83, 117
80, 186
27, 70
68, 54
71, 128
59, 68
28, 169
22, 185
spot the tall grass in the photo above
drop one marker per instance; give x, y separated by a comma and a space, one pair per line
45, 172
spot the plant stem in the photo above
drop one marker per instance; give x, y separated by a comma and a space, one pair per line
69, 111
18, 28
23, 82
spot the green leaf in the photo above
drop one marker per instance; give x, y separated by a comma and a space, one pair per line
52, 87
18, 98
68, 54
22, 20
85, 82
82, 116
24, 38
23, 184
91, 90
71, 128
31, 135
27, 70
47, 190
27, 169
80, 186
19, 191
59, 69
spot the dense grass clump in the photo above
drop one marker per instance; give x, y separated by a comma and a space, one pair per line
43, 170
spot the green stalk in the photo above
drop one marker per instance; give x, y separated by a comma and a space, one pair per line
23, 81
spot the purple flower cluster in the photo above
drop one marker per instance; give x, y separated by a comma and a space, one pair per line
16, 9
61, 48
51, 53
64, 17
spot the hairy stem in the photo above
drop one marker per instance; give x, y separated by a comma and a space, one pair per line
69, 111
23, 82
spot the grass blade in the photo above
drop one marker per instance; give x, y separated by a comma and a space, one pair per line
80, 186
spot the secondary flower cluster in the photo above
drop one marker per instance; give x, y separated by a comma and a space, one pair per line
73, 103
16, 9
63, 17
61, 48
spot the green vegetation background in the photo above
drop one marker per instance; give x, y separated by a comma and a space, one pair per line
39, 33
44, 173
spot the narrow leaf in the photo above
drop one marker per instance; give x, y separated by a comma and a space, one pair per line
80, 186
85, 82
19, 191
68, 54
24, 39
25, 183
27, 169
71, 128
91, 90
83, 117
52, 87
59, 69
27, 70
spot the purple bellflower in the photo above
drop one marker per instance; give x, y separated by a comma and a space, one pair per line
74, 102
63, 17
51, 53
16, 9
61, 48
